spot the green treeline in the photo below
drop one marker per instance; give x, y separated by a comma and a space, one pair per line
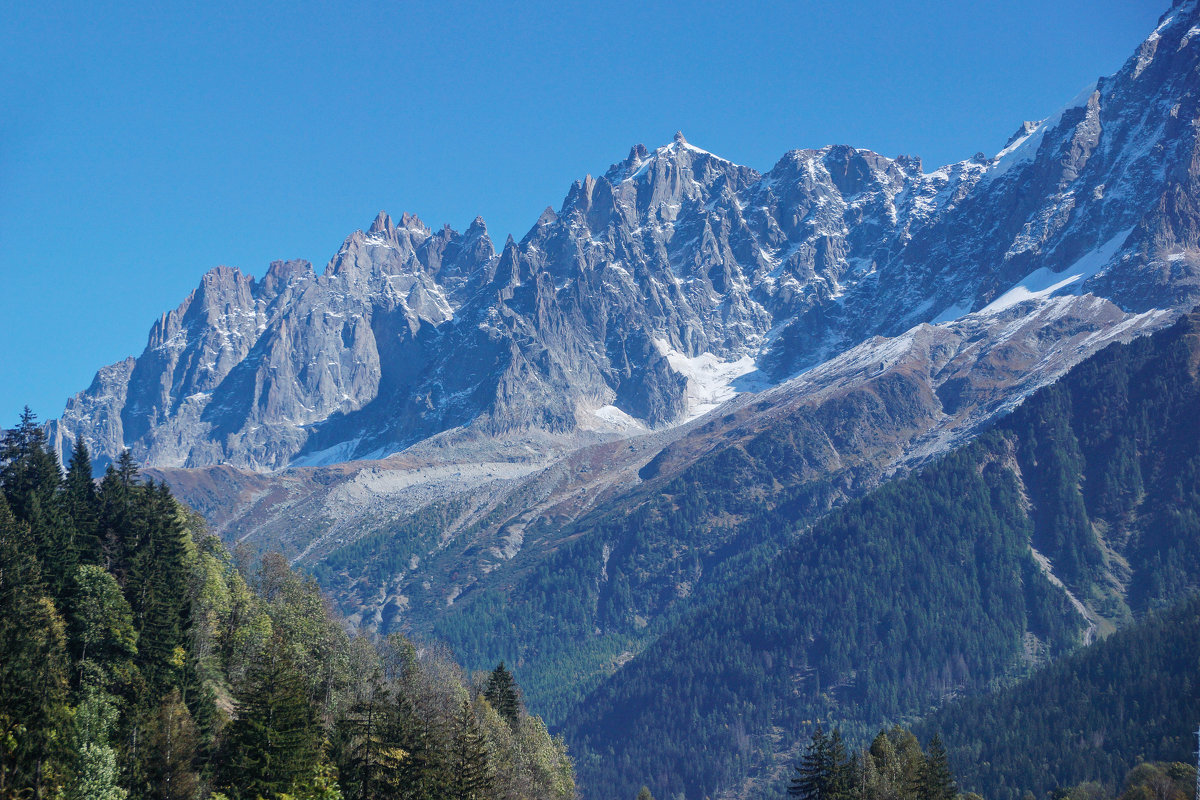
922, 590
139, 661
894, 767
927, 589
1087, 718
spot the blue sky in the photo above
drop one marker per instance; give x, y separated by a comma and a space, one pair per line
141, 145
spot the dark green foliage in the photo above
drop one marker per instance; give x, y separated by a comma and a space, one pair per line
892, 768
275, 743
137, 662
501, 692
935, 781
28, 469
368, 756
35, 720
825, 772
1089, 717
878, 612
470, 770
82, 504
888, 606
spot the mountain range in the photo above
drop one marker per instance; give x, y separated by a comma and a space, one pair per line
560, 451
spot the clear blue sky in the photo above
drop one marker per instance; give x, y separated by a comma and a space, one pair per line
142, 144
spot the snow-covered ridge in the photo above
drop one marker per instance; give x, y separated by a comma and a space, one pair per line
1043, 283
700, 268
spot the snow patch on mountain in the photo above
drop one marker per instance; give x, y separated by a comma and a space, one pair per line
615, 418
1025, 148
710, 381
1043, 283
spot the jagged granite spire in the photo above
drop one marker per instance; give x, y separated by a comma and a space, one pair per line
652, 281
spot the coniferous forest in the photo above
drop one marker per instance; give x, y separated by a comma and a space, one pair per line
930, 588
140, 659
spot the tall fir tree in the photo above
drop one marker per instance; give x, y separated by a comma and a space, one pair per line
82, 504
825, 771
275, 743
471, 773
35, 719
368, 756
28, 469
501, 691
936, 779
423, 772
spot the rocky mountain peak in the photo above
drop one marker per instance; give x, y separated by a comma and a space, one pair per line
663, 281
383, 224
1027, 127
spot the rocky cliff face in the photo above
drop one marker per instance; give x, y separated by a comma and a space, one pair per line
467, 431
658, 284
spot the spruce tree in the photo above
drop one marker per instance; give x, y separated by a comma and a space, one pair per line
825, 772
423, 771
367, 753
83, 504
471, 774
158, 573
501, 691
937, 782
812, 774
27, 467
275, 743
55, 537
35, 720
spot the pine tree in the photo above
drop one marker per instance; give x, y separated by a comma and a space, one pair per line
127, 469
27, 467
937, 782
423, 772
54, 536
35, 720
83, 504
275, 742
825, 771
812, 774
471, 774
118, 529
369, 755
501, 691
158, 572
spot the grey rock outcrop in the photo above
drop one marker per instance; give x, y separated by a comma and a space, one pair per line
672, 261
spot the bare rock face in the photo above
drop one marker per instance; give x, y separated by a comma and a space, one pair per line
657, 278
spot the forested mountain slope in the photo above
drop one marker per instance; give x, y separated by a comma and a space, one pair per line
582, 596
1090, 717
138, 661
1078, 511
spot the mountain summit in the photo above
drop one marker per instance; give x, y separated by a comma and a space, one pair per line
659, 284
